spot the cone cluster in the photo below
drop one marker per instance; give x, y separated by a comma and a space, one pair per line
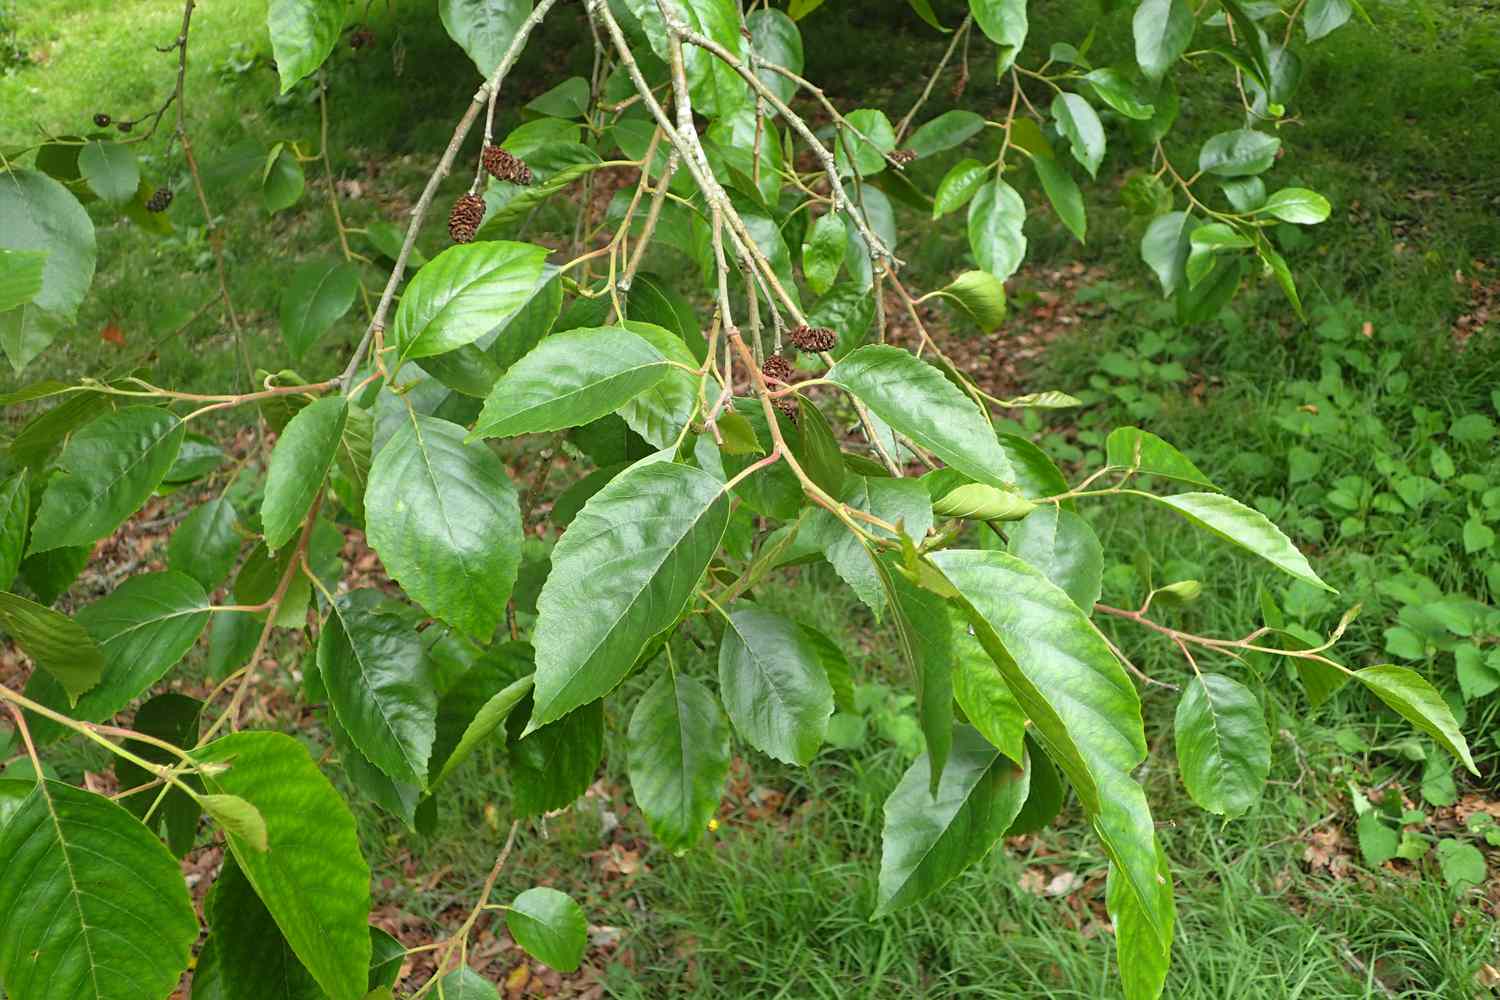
160, 200
813, 339
102, 120
464, 220
902, 157
779, 369
504, 166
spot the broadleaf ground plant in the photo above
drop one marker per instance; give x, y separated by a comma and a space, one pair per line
776, 427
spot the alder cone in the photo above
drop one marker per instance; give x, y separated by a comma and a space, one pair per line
102, 120
505, 166
813, 339
160, 200
464, 220
902, 157
780, 369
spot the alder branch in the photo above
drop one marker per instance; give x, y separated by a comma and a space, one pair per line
958, 36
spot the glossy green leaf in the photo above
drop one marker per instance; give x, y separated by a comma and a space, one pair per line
1004, 23
398, 798
823, 253
313, 879
819, 453
22, 273
1223, 746
206, 544
775, 38
303, 33
554, 765
42, 216
930, 839
380, 683
484, 28
283, 182
868, 152
92, 905
255, 961
1162, 29
659, 413
918, 400
106, 472
980, 295
463, 293
995, 218
485, 723
1322, 17
1121, 93
550, 926
1165, 248
981, 692
958, 185
1297, 205
110, 169
925, 633
773, 685
1419, 703
1062, 191
1078, 120
446, 522
570, 379
464, 983
15, 501
1063, 546
1239, 153
656, 527
569, 99
679, 756
1143, 954
716, 90
299, 464
983, 503
319, 294
171, 717
947, 131
1044, 799
901, 502
55, 643
1245, 527
1133, 448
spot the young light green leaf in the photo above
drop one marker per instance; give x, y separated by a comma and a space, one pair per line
1223, 746
823, 253
380, 682
299, 464
980, 295
206, 544
445, 520
1147, 454
918, 401
21, 275
980, 690
1120, 92
550, 926
313, 879
1162, 31
1143, 954
42, 216
995, 218
570, 379
1065, 549
1004, 23
678, 746
1078, 120
55, 643
1297, 205
107, 470
1245, 527
490, 717
93, 906
869, 152
484, 28
1165, 248
110, 169
463, 983
983, 503
303, 32
238, 817
463, 293
958, 185
15, 509
929, 839
1239, 153
657, 527
318, 295
773, 685
1322, 17
1419, 703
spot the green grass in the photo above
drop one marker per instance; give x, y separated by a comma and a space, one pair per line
778, 907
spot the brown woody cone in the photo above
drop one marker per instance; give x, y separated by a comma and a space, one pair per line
160, 200
902, 157
813, 339
464, 220
505, 166
780, 369
102, 120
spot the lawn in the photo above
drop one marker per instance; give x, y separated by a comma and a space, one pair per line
1368, 432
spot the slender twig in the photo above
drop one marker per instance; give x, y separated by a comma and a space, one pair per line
958, 36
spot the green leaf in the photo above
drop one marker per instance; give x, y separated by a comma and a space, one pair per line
716, 90
1419, 703
313, 879
823, 253
1247, 528
1462, 864
1077, 120
554, 765
569, 99
661, 412
22, 272
958, 185
918, 400
895, 501
773, 685
869, 152
948, 130
1065, 549
299, 464
490, 717
380, 683
923, 9
1162, 29
775, 39
1206, 241
42, 216
981, 296
55, 643
995, 218
234, 815
464, 983
1239, 153
1297, 205
1165, 248
1223, 746
981, 692
925, 632
1143, 955
110, 169
93, 906
206, 544
1044, 799
570, 379
657, 527
484, 28
254, 959
445, 520
15, 508
819, 453
550, 926
1120, 92
1004, 23
283, 181
679, 758
1321, 17
1282, 273
1062, 191
106, 472
929, 839
319, 294
983, 503
1147, 454
397, 798
463, 293
303, 33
